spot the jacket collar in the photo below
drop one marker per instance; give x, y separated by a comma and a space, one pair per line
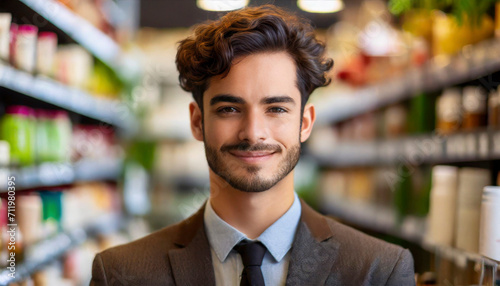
310, 262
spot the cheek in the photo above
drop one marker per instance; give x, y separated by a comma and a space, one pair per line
217, 132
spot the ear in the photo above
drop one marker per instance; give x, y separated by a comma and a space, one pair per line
196, 121
308, 118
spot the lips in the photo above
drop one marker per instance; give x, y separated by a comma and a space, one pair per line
252, 156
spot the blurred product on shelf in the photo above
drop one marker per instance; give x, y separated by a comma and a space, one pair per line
46, 50
421, 118
449, 111
474, 107
5, 19
94, 142
73, 66
471, 182
4, 162
395, 121
17, 128
489, 234
50, 137
441, 221
39, 53
449, 36
94, 12
54, 133
4, 235
25, 48
29, 212
494, 108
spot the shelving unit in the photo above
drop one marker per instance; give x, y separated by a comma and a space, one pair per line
91, 38
411, 229
473, 62
53, 248
112, 112
376, 218
430, 149
57, 174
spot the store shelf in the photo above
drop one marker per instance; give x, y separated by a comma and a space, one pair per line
473, 62
375, 218
57, 174
112, 112
91, 38
51, 249
425, 149
458, 256
412, 229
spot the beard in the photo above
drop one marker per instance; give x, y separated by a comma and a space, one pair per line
253, 181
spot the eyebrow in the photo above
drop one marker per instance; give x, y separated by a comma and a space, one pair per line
226, 98
278, 99
235, 99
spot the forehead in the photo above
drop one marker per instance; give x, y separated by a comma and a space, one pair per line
256, 76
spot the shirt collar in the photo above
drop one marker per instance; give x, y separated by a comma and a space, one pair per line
277, 238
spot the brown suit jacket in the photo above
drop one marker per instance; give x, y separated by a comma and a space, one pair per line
324, 252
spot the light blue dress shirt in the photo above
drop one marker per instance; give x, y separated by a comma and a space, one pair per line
278, 239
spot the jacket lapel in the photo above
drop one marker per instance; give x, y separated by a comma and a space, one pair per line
311, 257
192, 262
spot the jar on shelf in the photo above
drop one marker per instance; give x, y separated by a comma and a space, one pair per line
449, 111
25, 48
5, 20
474, 107
46, 53
494, 109
489, 235
17, 127
441, 218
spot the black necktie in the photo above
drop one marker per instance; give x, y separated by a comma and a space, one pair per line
252, 254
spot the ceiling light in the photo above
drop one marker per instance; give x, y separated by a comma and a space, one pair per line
320, 6
221, 5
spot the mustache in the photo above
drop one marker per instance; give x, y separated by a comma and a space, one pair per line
245, 146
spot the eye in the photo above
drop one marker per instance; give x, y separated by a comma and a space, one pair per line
226, 110
277, 110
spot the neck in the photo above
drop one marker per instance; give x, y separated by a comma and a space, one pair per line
250, 213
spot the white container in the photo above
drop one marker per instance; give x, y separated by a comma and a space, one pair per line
441, 219
5, 19
489, 234
29, 217
46, 53
25, 48
471, 182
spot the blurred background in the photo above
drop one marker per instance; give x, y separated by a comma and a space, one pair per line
96, 150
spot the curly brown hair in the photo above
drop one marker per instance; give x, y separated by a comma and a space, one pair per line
215, 44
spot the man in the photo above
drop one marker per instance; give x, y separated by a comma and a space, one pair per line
251, 73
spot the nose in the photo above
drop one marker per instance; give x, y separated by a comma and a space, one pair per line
253, 127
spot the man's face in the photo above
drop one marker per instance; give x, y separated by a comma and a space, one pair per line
252, 122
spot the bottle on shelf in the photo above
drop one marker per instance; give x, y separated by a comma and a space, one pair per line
489, 234
471, 182
474, 107
29, 215
25, 48
4, 163
5, 20
17, 128
448, 111
45, 53
494, 109
441, 219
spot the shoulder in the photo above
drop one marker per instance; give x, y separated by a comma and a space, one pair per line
157, 242
133, 263
380, 261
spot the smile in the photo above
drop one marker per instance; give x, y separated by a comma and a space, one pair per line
252, 157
